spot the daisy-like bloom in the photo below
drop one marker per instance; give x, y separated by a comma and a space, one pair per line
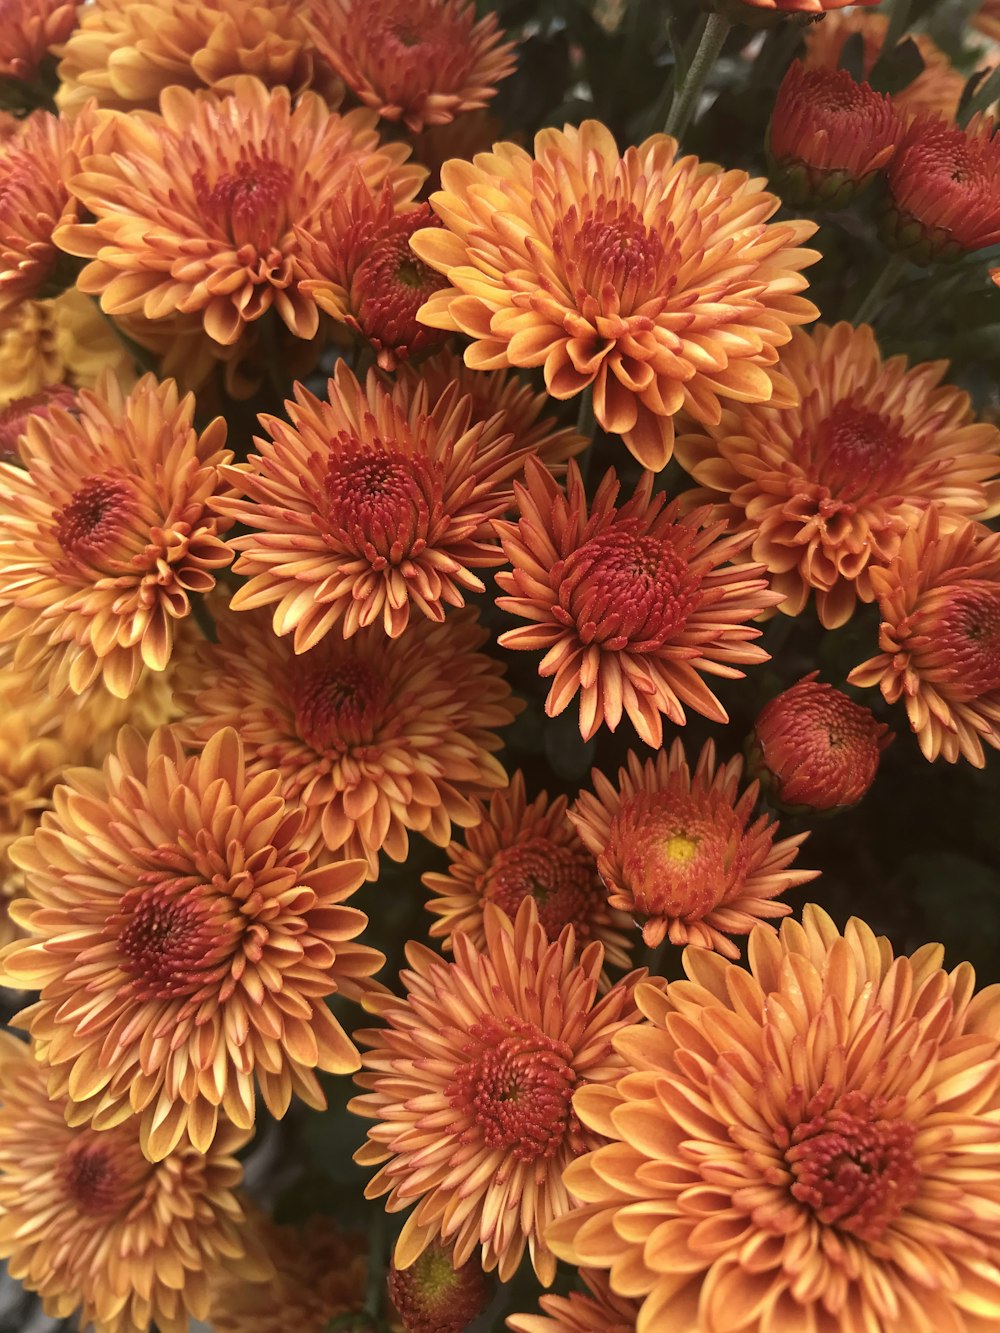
432, 1296
471, 1084
366, 507
320, 1275
828, 488
944, 186
29, 29
15, 416
682, 851
810, 1146
659, 283
600, 1311
939, 603
630, 605
829, 135
362, 272
419, 61
62, 340
107, 535
125, 54
520, 849
94, 1228
813, 748
371, 737
183, 944
229, 184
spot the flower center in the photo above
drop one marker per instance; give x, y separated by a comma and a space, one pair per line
94, 519
249, 204
392, 283
90, 1179
611, 245
337, 704
165, 939
517, 1085
380, 501
624, 590
854, 1167
856, 452
966, 635
562, 880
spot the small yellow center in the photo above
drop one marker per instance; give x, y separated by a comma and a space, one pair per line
680, 849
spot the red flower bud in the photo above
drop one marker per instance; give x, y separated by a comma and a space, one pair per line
434, 1297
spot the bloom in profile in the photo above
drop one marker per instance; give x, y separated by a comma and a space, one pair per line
829, 135
828, 488
658, 283
229, 183
371, 738
93, 1227
62, 340
320, 1275
15, 416
630, 604
421, 62
432, 1296
810, 1145
939, 603
183, 944
525, 849
107, 535
813, 748
366, 507
30, 29
597, 1311
682, 851
944, 187
470, 1083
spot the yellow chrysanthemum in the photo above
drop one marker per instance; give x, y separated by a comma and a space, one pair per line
63, 340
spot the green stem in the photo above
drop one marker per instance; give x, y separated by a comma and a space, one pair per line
687, 92
872, 304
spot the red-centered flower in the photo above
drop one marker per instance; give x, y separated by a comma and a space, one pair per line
944, 186
520, 849
940, 636
630, 605
600, 1311
682, 851
28, 31
813, 748
15, 416
471, 1082
419, 61
366, 507
360, 269
432, 1296
829, 135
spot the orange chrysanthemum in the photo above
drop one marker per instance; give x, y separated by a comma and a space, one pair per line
125, 54
812, 1146
107, 535
371, 738
600, 1311
828, 488
471, 1084
939, 603
65, 339
28, 29
228, 185
15, 416
630, 605
366, 507
682, 852
657, 282
432, 1296
520, 849
419, 61
93, 1227
183, 944
320, 1275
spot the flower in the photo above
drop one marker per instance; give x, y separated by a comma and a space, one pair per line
371, 738
362, 272
320, 1276
944, 184
683, 852
939, 603
15, 416
808, 1146
815, 9
601, 1311
470, 1083
629, 604
813, 748
30, 29
829, 487
183, 944
92, 1226
125, 55
829, 135
230, 183
432, 1296
62, 340
106, 536
657, 283
419, 61
519, 850
367, 506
